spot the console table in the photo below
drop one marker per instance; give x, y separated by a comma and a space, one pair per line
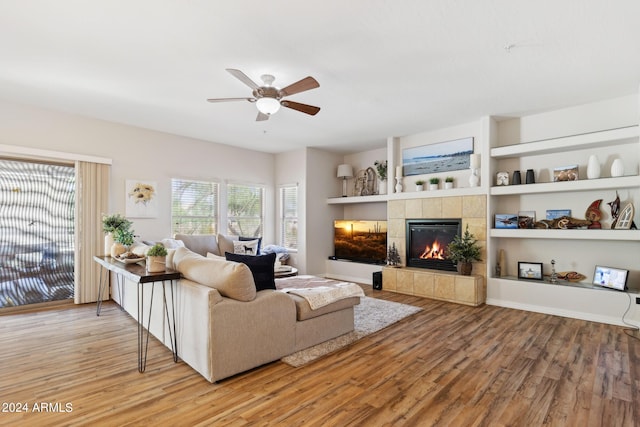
138, 274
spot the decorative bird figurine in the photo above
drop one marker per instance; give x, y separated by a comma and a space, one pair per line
593, 214
615, 210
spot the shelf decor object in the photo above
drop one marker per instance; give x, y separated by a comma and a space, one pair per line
593, 167
344, 172
530, 177
617, 168
398, 179
474, 165
517, 179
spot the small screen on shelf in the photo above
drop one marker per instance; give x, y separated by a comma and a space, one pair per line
614, 278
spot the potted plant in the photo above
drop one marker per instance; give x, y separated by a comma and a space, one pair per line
419, 185
381, 168
463, 250
433, 183
448, 183
156, 258
111, 223
123, 238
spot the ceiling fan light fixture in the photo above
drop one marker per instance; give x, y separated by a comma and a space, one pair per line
268, 106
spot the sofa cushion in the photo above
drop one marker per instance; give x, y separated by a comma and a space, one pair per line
200, 243
247, 239
227, 243
245, 247
233, 280
261, 267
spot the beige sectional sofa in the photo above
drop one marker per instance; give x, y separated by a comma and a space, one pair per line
225, 326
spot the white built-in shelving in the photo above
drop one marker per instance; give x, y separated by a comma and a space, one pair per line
464, 191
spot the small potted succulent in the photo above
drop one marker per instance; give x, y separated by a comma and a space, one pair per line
448, 183
156, 258
463, 250
419, 185
433, 183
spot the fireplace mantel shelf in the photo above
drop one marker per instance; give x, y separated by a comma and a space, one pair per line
465, 191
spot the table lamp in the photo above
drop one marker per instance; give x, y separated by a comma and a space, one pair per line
344, 172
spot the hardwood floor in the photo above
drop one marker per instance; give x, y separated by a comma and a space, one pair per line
447, 365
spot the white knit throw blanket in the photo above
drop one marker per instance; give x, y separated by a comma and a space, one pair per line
317, 291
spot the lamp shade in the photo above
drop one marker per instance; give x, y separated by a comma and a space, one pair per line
345, 171
268, 106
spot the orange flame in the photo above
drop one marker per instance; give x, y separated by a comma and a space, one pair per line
435, 252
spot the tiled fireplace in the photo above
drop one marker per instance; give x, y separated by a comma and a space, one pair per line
438, 284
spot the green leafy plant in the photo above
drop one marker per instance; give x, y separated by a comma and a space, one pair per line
434, 180
419, 182
381, 168
123, 236
464, 248
111, 223
448, 179
157, 250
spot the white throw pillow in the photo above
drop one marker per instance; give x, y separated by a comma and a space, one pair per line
246, 247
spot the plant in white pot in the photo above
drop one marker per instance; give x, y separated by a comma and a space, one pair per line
381, 168
433, 183
463, 250
448, 183
111, 223
156, 258
419, 185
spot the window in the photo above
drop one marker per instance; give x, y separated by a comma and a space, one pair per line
245, 210
194, 207
36, 232
289, 216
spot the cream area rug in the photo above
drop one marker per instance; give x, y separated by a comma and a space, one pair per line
370, 316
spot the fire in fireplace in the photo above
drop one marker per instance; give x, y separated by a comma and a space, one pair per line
427, 241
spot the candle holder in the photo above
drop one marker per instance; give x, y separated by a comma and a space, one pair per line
398, 184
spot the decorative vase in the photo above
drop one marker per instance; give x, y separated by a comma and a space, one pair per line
593, 167
156, 264
464, 268
433, 187
117, 249
108, 243
419, 187
398, 184
382, 187
530, 178
448, 185
617, 168
517, 179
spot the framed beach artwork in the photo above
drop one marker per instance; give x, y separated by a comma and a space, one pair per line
439, 157
141, 199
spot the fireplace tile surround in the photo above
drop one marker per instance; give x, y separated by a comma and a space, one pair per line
472, 209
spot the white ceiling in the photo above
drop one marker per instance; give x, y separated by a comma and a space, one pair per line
385, 68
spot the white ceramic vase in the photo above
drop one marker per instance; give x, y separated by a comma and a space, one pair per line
448, 185
433, 187
593, 167
419, 187
117, 249
382, 187
617, 168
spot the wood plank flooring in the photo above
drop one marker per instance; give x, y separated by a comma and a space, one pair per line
448, 365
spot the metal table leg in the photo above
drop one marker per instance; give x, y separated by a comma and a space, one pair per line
172, 328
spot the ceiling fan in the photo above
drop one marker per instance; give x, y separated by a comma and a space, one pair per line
268, 98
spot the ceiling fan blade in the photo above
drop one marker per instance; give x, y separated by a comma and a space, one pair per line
308, 109
300, 86
243, 78
262, 117
230, 99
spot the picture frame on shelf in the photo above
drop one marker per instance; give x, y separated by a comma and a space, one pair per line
530, 270
565, 173
557, 213
506, 221
526, 219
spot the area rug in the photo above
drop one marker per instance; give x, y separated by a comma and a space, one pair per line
370, 316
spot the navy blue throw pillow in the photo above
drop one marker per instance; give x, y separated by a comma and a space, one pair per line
261, 267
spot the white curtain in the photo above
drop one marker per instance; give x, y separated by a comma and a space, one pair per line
92, 200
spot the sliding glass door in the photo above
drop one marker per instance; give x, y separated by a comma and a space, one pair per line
36, 232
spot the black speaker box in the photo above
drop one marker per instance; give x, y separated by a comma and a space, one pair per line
377, 280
